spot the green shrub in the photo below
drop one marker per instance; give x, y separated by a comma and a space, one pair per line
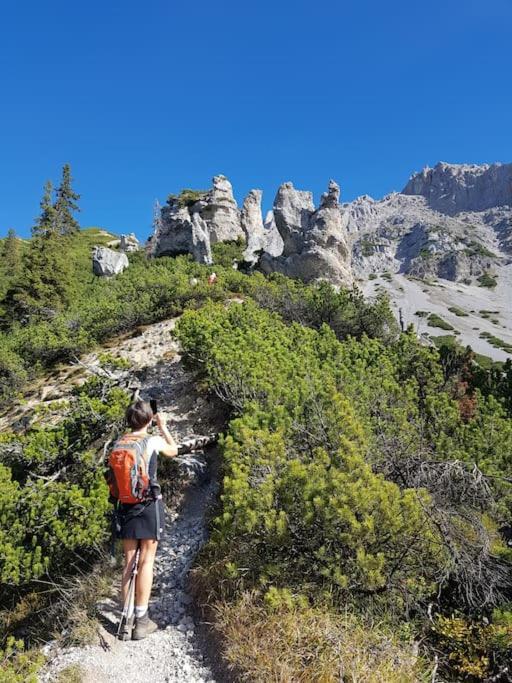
186, 197
18, 665
496, 342
444, 340
228, 253
458, 311
475, 650
367, 246
477, 249
295, 471
12, 371
435, 320
53, 496
487, 280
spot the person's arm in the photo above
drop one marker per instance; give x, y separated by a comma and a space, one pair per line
170, 448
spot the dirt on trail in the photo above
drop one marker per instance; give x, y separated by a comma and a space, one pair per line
175, 653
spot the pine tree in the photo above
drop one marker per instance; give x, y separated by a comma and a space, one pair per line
43, 285
47, 221
11, 255
66, 204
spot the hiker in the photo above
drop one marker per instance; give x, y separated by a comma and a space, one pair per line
139, 509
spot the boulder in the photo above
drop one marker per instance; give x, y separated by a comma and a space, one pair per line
107, 262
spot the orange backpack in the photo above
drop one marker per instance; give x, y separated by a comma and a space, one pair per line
128, 477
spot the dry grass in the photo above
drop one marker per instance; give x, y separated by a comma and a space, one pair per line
310, 645
66, 611
71, 674
80, 598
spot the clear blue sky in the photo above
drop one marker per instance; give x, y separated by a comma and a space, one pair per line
144, 98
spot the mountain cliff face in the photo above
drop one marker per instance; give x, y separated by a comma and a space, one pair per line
442, 247
452, 188
402, 234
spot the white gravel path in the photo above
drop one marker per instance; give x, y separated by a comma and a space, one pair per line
172, 654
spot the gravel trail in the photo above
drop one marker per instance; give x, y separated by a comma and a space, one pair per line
173, 654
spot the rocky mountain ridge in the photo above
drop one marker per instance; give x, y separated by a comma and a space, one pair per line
452, 221
452, 188
450, 224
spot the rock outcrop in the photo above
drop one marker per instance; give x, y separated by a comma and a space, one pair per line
252, 226
180, 229
292, 212
314, 242
220, 212
259, 237
129, 243
191, 224
107, 262
452, 222
274, 244
452, 188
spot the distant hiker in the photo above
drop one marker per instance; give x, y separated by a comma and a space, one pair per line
212, 278
139, 510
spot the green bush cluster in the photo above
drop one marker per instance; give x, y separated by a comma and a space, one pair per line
435, 320
487, 280
53, 496
334, 463
17, 665
152, 290
54, 508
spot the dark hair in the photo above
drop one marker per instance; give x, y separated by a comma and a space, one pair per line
139, 414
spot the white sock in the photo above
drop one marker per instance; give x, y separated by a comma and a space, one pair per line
140, 611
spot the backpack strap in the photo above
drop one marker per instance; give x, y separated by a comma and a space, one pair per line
142, 446
137, 441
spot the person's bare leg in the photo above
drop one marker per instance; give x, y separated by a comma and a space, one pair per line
129, 551
144, 626
145, 574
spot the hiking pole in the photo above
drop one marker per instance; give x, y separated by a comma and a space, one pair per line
130, 594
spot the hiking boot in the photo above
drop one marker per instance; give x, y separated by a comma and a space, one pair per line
143, 627
127, 629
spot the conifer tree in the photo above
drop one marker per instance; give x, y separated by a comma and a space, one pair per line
11, 255
45, 275
66, 204
47, 221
